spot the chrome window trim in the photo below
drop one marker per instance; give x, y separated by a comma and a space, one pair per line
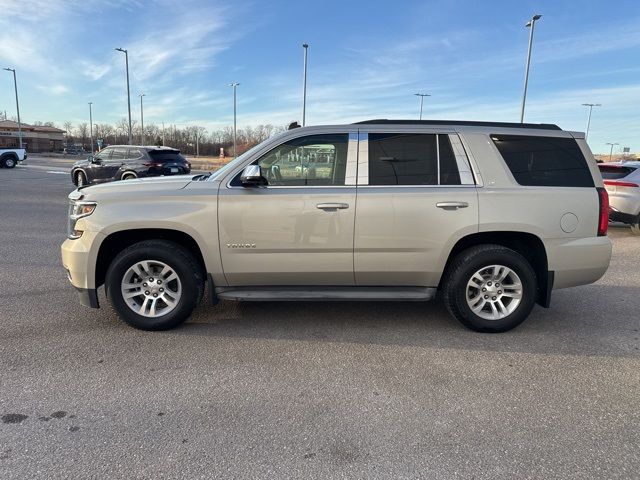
363, 158
462, 161
351, 173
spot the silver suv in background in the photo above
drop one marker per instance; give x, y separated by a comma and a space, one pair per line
622, 181
494, 216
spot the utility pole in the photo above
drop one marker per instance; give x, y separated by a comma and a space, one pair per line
421, 95
126, 59
611, 151
90, 127
304, 84
590, 105
234, 85
141, 120
530, 24
15, 86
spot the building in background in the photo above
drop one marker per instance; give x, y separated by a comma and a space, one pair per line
34, 138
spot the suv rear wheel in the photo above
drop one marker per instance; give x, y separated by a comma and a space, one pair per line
490, 288
154, 285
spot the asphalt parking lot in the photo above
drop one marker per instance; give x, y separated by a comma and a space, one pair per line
319, 390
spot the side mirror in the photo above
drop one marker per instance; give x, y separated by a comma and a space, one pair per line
252, 176
93, 159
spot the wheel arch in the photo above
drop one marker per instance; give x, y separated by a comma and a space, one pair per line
528, 245
115, 242
74, 174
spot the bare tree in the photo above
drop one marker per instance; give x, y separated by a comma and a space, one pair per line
82, 131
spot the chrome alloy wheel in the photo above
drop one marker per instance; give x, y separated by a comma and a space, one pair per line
151, 288
494, 292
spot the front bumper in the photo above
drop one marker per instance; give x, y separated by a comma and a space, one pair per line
88, 297
79, 260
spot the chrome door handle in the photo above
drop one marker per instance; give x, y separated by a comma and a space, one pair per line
329, 207
452, 205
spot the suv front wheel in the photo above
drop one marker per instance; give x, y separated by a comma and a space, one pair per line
490, 288
154, 285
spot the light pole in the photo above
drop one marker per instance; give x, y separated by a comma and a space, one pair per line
611, 151
234, 85
91, 127
531, 24
15, 86
304, 84
141, 120
590, 105
421, 95
126, 60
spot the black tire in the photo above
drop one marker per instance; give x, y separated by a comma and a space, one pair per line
81, 179
182, 262
470, 261
9, 161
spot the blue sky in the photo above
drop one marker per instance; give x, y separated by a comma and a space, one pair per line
366, 59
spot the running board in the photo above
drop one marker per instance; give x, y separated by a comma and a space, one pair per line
295, 294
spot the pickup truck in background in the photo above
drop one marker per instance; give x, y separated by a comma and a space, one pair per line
9, 157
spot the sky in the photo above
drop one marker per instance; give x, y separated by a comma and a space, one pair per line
366, 60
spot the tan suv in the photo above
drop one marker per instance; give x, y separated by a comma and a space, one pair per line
492, 215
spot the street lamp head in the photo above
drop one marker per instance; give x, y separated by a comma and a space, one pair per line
422, 94
121, 50
305, 45
533, 19
234, 84
10, 69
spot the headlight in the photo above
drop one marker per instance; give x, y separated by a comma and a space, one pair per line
78, 210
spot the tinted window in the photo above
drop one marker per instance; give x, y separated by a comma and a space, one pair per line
160, 156
313, 160
612, 172
134, 153
449, 174
403, 159
118, 154
544, 161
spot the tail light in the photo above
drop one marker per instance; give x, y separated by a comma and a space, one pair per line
154, 164
603, 222
620, 183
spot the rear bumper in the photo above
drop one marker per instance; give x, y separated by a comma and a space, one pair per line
617, 216
579, 261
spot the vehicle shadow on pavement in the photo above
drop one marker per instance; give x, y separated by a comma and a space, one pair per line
578, 323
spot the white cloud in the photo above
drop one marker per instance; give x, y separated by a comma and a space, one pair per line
56, 89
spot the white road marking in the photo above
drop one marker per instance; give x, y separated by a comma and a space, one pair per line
58, 172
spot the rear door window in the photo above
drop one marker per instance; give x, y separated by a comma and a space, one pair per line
416, 159
614, 172
403, 159
544, 161
134, 153
118, 154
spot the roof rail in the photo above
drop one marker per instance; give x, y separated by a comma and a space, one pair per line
384, 121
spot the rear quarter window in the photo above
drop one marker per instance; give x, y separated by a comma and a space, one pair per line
160, 156
544, 161
614, 172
